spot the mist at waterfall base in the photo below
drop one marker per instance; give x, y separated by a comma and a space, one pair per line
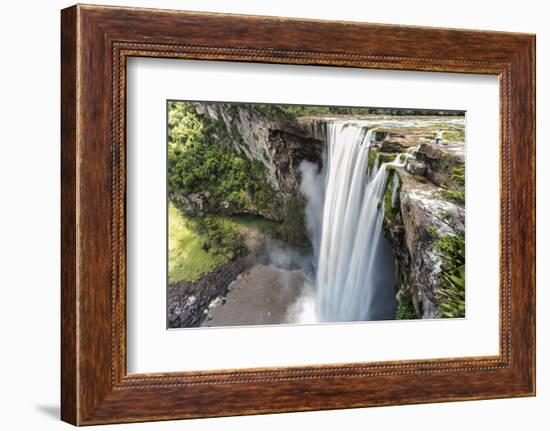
353, 264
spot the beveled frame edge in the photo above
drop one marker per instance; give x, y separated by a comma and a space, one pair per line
96, 41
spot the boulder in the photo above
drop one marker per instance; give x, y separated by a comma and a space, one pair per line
391, 146
441, 163
415, 167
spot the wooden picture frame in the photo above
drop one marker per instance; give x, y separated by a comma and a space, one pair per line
95, 43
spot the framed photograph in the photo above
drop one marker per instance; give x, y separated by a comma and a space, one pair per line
264, 215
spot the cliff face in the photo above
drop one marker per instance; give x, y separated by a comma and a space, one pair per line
280, 144
427, 209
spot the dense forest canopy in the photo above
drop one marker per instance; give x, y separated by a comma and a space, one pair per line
200, 160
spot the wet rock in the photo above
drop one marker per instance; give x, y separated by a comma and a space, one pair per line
287, 151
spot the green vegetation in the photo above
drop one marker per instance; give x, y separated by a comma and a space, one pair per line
260, 224
301, 110
446, 216
198, 245
373, 155
433, 231
221, 235
458, 177
453, 133
456, 196
200, 160
385, 157
188, 259
405, 307
392, 213
293, 230
451, 292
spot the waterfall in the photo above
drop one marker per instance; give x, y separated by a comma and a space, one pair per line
355, 264
394, 189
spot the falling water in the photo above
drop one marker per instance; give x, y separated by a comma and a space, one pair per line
394, 189
355, 270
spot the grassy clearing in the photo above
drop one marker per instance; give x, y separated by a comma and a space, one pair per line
187, 257
453, 133
198, 245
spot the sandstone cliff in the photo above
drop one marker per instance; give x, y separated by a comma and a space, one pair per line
278, 143
424, 215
